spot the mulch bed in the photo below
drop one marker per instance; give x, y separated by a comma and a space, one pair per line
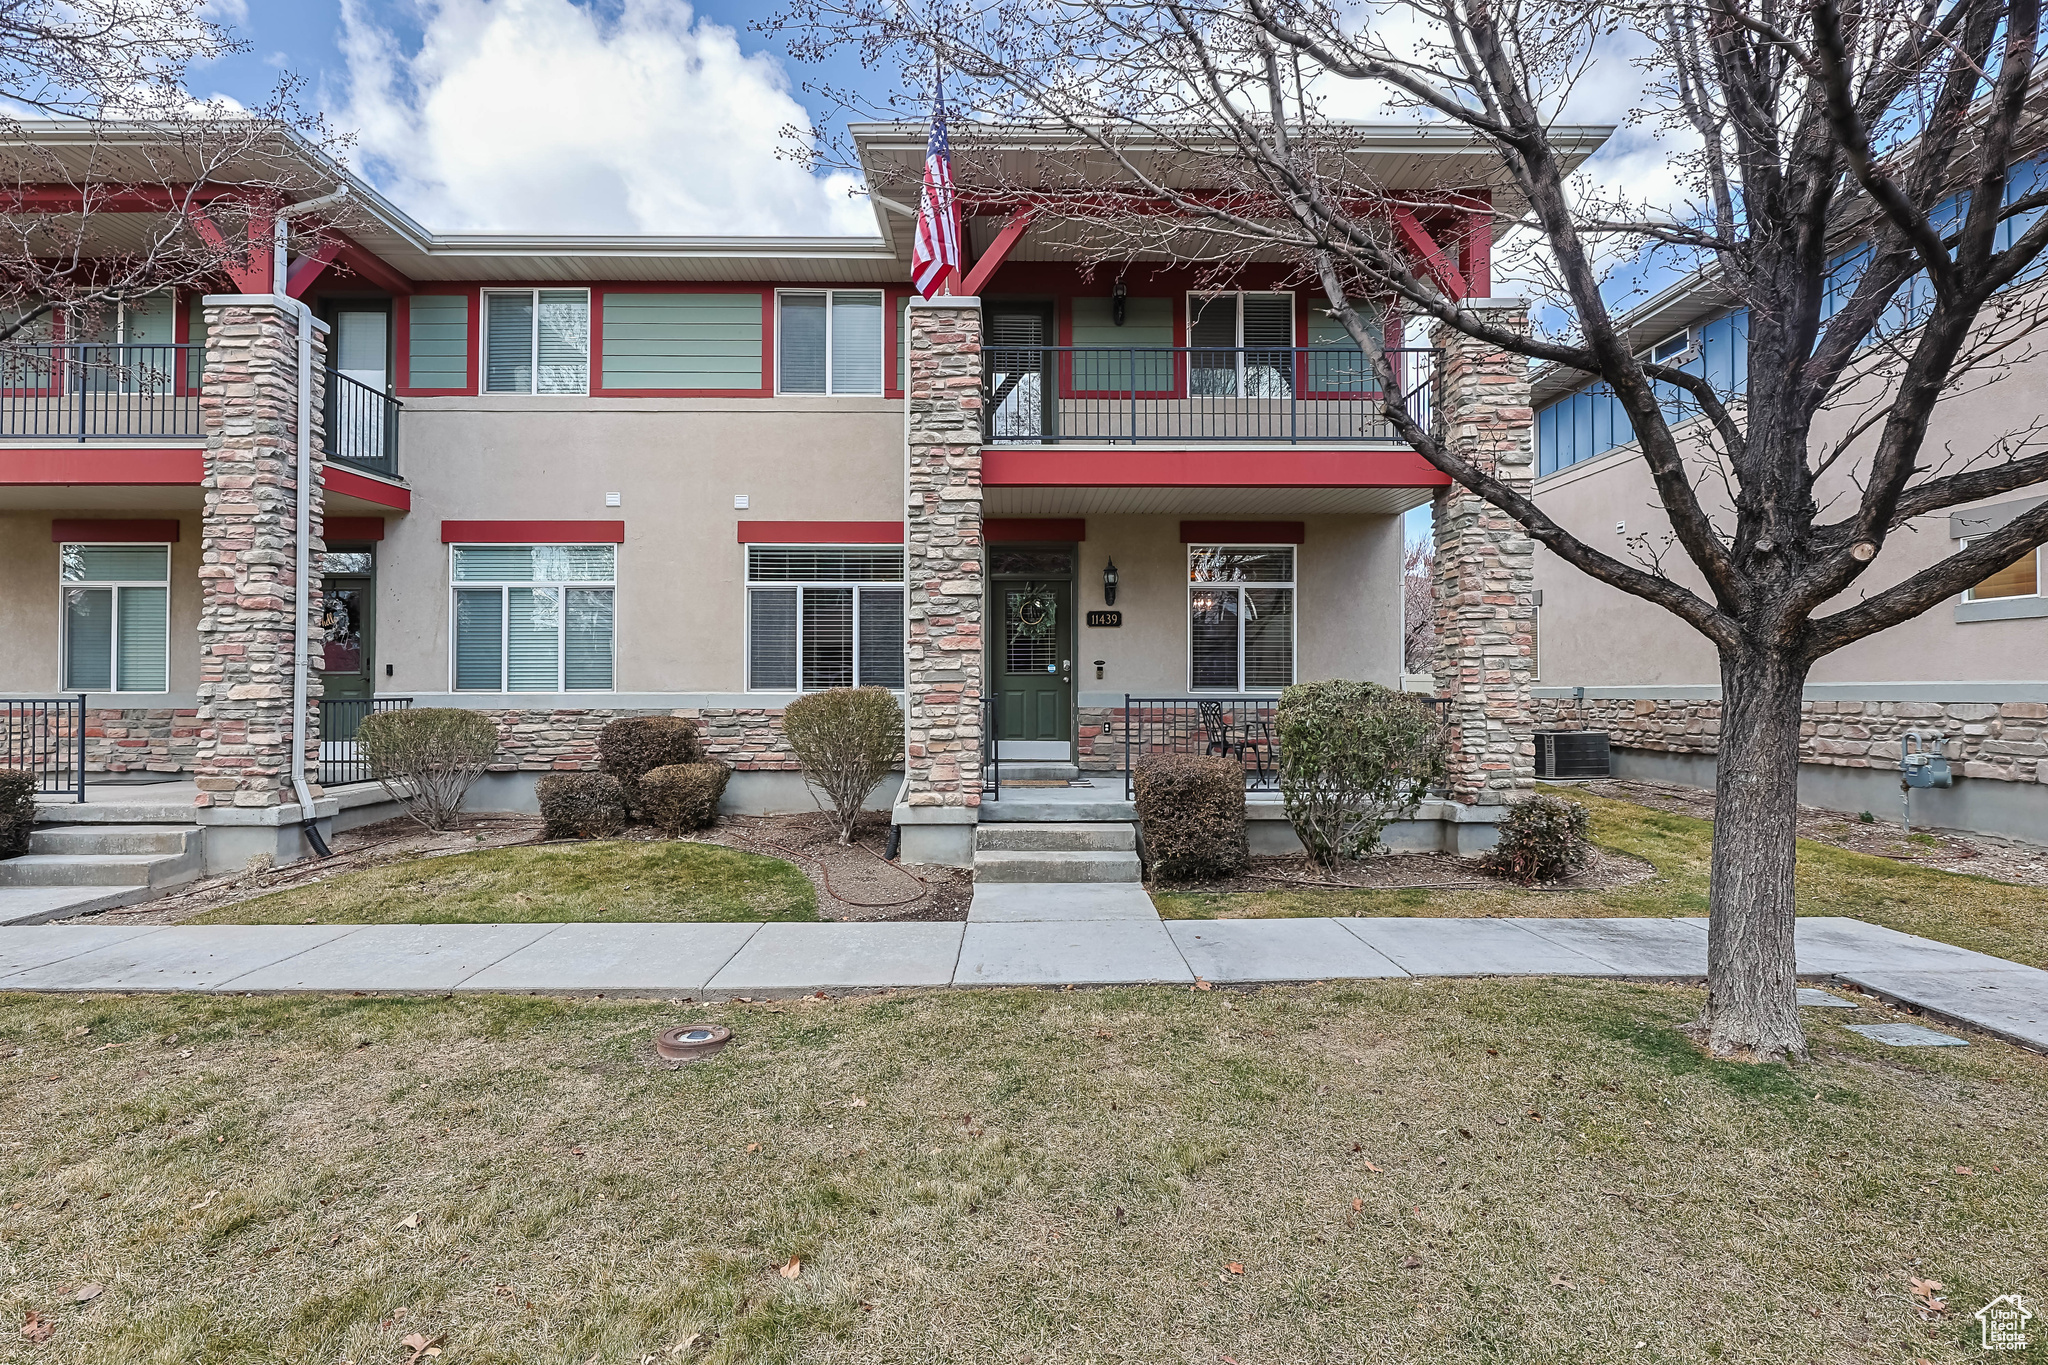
1412, 871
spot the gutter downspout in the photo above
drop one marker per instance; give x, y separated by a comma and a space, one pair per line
302, 599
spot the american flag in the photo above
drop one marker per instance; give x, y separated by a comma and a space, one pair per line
936, 253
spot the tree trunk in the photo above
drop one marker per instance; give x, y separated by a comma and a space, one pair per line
1751, 979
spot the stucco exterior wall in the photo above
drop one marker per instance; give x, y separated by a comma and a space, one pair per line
31, 607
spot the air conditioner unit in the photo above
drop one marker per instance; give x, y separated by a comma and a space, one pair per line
1572, 754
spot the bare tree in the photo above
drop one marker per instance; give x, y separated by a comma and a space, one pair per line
1800, 128
1418, 606
116, 183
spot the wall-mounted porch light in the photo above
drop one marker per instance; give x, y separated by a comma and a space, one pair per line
1116, 303
1109, 584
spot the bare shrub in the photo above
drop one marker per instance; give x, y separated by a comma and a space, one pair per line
1354, 757
847, 738
428, 758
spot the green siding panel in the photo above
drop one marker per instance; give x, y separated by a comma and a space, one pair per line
438, 342
682, 341
1147, 323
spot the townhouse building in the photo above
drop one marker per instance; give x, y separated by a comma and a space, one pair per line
560, 479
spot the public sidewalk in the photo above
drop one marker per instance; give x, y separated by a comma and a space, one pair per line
1016, 935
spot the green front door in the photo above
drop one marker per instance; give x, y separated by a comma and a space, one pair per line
348, 654
1034, 657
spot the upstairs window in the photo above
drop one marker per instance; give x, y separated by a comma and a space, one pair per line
823, 616
537, 341
829, 341
1241, 345
2021, 578
1240, 618
534, 618
117, 617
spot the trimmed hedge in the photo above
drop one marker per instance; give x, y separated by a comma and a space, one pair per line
581, 805
632, 746
1192, 812
17, 810
683, 796
428, 758
1542, 839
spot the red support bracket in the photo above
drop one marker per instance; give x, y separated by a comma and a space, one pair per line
1441, 265
307, 268
251, 271
999, 250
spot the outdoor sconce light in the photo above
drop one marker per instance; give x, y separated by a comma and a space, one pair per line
1109, 584
1116, 304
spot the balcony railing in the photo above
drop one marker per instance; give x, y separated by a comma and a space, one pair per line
1238, 727
362, 425
81, 391
1132, 394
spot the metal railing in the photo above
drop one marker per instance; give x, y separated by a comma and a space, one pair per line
991, 752
340, 717
1133, 394
46, 736
76, 391
1236, 727
361, 425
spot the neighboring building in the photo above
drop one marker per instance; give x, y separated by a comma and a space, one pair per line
1974, 673
564, 479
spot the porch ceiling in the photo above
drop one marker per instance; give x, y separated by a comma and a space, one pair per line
1105, 502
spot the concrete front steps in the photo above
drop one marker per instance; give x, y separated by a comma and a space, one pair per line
1061, 852
80, 869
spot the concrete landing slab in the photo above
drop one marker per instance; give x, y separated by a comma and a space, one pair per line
1000, 902
618, 959
1830, 945
2010, 1003
396, 957
1811, 998
1069, 953
1471, 947
1276, 950
196, 958
1661, 948
43, 904
24, 947
1906, 1035
809, 957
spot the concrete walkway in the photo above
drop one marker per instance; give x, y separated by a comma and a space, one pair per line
1016, 935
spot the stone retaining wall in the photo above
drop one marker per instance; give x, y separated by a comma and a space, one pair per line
2002, 741
566, 741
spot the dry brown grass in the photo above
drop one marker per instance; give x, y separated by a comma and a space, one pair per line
1402, 1171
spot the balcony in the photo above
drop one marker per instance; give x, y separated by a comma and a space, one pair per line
85, 391
1040, 395
361, 425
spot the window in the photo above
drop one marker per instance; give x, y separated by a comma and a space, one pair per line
1242, 345
2021, 578
536, 341
824, 616
829, 341
117, 617
1240, 617
1671, 348
534, 618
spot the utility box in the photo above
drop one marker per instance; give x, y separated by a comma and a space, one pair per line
1572, 754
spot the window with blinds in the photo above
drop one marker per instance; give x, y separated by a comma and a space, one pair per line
824, 616
1242, 345
537, 341
828, 341
533, 618
1240, 618
117, 617
2021, 578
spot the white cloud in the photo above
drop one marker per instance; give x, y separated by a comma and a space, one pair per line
544, 116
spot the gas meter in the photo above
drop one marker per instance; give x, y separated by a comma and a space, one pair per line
1920, 765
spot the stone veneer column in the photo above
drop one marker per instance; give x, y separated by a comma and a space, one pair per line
943, 579
248, 557
1485, 593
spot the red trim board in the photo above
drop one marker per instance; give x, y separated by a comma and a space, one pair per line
338, 480
997, 530
533, 532
353, 528
79, 532
821, 533
1243, 533
1066, 467
82, 465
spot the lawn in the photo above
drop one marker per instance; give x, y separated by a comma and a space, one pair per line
1501, 1170
1971, 912
616, 880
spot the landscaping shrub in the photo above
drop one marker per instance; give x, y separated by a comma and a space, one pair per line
847, 738
1354, 756
1192, 812
17, 810
428, 758
1542, 839
683, 796
633, 746
581, 805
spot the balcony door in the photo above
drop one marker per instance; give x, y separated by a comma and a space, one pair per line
361, 356
1022, 396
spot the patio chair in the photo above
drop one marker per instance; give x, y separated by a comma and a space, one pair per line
1248, 740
